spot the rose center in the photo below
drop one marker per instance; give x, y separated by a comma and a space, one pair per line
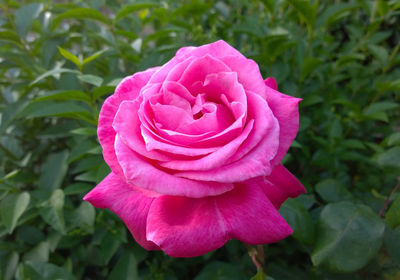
198, 115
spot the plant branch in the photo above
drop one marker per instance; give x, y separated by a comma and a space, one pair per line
387, 201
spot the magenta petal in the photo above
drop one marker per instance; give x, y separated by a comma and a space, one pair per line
200, 68
155, 144
142, 173
216, 49
213, 160
127, 125
251, 163
282, 184
271, 82
251, 217
286, 110
128, 89
186, 227
248, 73
131, 205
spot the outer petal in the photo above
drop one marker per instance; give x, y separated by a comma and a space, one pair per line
131, 205
280, 185
186, 227
286, 110
251, 217
128, 89
271, 82
140, 172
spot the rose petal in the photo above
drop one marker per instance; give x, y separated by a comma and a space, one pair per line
253, 163
187, 227
213, 160
271, 82
131, 205
223, 88
153, 143
251, 217
248, 73
279, 186
200, 68
127, 125
142, 173
286, 110
217, 49
128, 89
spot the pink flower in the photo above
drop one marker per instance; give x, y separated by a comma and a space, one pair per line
195, 148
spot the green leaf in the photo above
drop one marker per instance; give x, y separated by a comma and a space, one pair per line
260, 275
77, 188
11, 266
71, 57
25, 16
109, 246
307, 11
49, 108
380, 53
379, 107
297, 216
377, 110
389, 86
331, 190
53, 170
134, 8
12, 207
269, 5
38, 253
10, 37
91, 79
53, 73
349, 235
333, 12
218, 270
53, 214
80, 13
103, 90
126, 267
309, 65
88, 131
335, 130
81, 150
394, 139
390, 158
392, 243
93, 56
46, 271
393, 214
64, 95
85, 216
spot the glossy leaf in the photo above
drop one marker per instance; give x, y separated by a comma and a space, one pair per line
348, 236
12, 207
393, 214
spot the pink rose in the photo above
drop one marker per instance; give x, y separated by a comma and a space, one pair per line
195, 148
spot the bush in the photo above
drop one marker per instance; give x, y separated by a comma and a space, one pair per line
59, 61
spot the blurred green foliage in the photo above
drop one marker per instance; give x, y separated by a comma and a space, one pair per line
59, 60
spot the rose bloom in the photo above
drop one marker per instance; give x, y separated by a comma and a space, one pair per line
195, 148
